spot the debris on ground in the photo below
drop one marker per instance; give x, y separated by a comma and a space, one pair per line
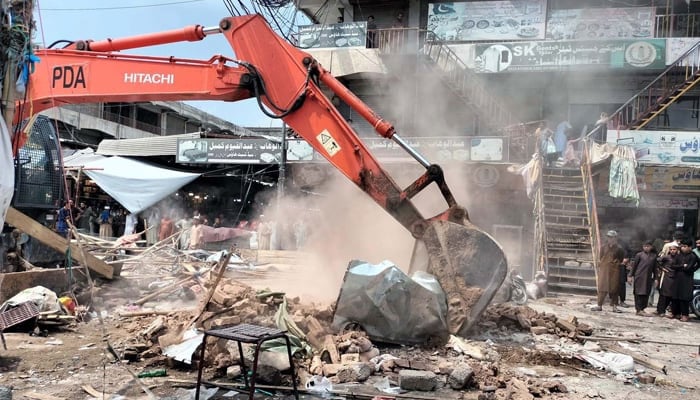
154, 314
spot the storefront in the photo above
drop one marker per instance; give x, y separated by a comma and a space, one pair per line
668, 203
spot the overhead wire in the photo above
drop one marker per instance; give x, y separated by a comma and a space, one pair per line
124, 7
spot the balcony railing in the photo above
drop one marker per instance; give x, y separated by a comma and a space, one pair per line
96, 110
677, 25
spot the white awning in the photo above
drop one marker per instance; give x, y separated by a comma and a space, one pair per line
134, 184
7, 170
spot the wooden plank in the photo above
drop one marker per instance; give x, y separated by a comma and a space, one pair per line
94, 393
40, 396
55, 241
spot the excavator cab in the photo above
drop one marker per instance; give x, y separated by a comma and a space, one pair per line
38, 194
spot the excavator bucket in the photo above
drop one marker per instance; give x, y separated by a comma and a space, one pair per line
469, 264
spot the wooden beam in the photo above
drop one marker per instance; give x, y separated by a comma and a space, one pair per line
55, 241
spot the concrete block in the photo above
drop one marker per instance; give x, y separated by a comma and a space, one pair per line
354, 373
461, 376
424, 381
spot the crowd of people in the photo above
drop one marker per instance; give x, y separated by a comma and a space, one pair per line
159, 222
668, 272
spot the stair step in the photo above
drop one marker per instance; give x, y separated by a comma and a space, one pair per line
563, 196
570, 192
572, 280
566, 226
564, 213
569, 206
562, 252
553, 250
571, 288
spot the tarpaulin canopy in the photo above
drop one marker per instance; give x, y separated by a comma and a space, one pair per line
134, 184
7, 170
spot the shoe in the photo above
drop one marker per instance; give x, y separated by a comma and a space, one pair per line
616, 310
624, 305
671, 316
598, 308
642, 313
684, 318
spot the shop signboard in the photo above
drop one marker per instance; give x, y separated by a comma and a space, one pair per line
263, 151
669, 179
661, 147
557, 55
440, 149
601, 23
649, 201
677, 47
228, 151
324, 36
488, 20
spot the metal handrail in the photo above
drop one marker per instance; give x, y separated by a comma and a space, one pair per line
666, 25
591, 208
540, 231
633, 108
453, 64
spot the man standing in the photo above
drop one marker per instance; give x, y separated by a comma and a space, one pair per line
560, 136
696, 250
642, 275
608, 282
167, 228
264, 233
196, 234
687, 264
87, 217
105, 223
184, 225
371, 32
666, 281
64, 215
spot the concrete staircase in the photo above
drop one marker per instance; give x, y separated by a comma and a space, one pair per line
568, 240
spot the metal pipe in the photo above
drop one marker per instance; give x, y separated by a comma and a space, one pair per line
410, 150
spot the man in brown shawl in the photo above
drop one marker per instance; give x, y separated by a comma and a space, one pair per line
608, 279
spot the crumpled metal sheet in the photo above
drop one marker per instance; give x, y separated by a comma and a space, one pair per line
391, 306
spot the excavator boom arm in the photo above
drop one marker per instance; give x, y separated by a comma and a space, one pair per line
285, 80
467, 262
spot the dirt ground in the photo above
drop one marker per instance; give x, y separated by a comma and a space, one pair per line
63, 364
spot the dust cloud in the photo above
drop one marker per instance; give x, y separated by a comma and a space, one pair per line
345, 224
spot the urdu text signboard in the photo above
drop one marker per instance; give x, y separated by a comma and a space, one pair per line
228, 151
668, 179
661, 147
324, 36
553, 55
263, 151
488, 20
601, 23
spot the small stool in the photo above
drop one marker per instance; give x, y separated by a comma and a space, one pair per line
247, 333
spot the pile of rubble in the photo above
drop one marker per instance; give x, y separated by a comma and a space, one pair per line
166, 298
338, 358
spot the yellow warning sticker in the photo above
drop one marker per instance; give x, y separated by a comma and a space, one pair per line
328, 142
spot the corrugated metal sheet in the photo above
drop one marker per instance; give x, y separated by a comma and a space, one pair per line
144, 147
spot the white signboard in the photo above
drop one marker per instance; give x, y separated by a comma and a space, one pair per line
601, 23
671, 203
347, 34
488, 20
676, 47
661, 147
487, 149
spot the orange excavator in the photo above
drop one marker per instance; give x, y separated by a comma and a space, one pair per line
469, 264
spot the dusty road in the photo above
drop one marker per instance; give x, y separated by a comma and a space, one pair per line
64, 364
